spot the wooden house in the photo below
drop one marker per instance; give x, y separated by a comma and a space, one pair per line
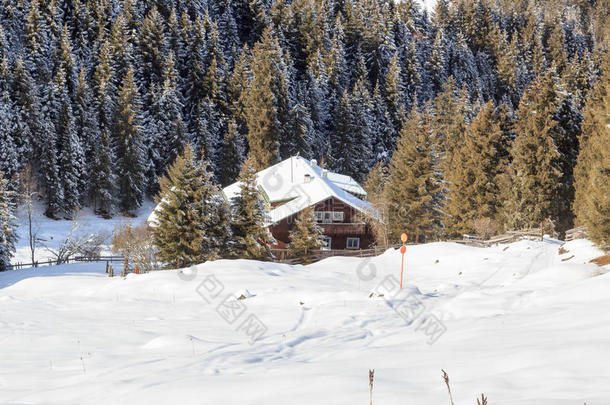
339, 203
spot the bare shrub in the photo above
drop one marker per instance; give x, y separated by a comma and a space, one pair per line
485, 228
135, 245
87, 245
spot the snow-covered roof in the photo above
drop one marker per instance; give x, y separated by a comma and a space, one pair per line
301, 183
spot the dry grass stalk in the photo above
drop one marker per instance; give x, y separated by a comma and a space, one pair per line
483, 400
446, 379
371, 376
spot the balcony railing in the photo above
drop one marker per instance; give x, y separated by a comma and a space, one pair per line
343, 228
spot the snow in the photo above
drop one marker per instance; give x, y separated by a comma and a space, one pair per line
522, 326
53, 232
285, 181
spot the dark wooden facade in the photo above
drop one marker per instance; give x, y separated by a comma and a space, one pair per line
339, 228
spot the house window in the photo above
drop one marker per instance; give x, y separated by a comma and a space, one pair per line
353, 243
326, 242
328, 217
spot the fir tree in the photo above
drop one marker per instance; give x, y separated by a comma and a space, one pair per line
394, 92
231, 155
414, 189
129, 148
71, 159
448, 122
351, 141
9, 155
262, 101
103, 177
185, 212
592, 172
86, 127
27, 109
8, 231
49, 154
305, 239
475, 177
249, 217
152, 50
103, 87
535, 173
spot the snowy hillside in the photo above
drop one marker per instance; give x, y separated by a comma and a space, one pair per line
519, 324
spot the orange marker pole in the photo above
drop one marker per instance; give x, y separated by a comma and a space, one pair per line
403, 249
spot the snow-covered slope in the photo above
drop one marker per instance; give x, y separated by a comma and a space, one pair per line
520, 325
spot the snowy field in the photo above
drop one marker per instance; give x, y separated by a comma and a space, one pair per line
51, 233
520, 325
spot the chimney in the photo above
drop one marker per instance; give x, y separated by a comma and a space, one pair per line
324, 173
314, 162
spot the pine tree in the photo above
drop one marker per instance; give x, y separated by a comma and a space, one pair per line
437, 63
448, 122
129, 148
231, 155
195, 91
375, 187
71, 159
475, 177
305, 238
592, 172
556, 53
27, 108
249, 217
263, 101
102, 183
566, 134
86, 127
383, 133
351, 141
535, 173
49, 156
121, 48
414, 189
394, 91
103, 87
35, 42
163, 125
152, 50
182, 215
9, 155
8, 231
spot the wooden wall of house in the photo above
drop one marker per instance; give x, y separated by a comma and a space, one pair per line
338, 233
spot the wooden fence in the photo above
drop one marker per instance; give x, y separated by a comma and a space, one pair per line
576, 233
508, 237
107, 259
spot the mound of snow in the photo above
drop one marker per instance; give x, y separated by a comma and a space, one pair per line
497, 319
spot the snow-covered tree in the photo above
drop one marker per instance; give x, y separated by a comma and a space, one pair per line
8, 235
249, 217
192, 219
129, 147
